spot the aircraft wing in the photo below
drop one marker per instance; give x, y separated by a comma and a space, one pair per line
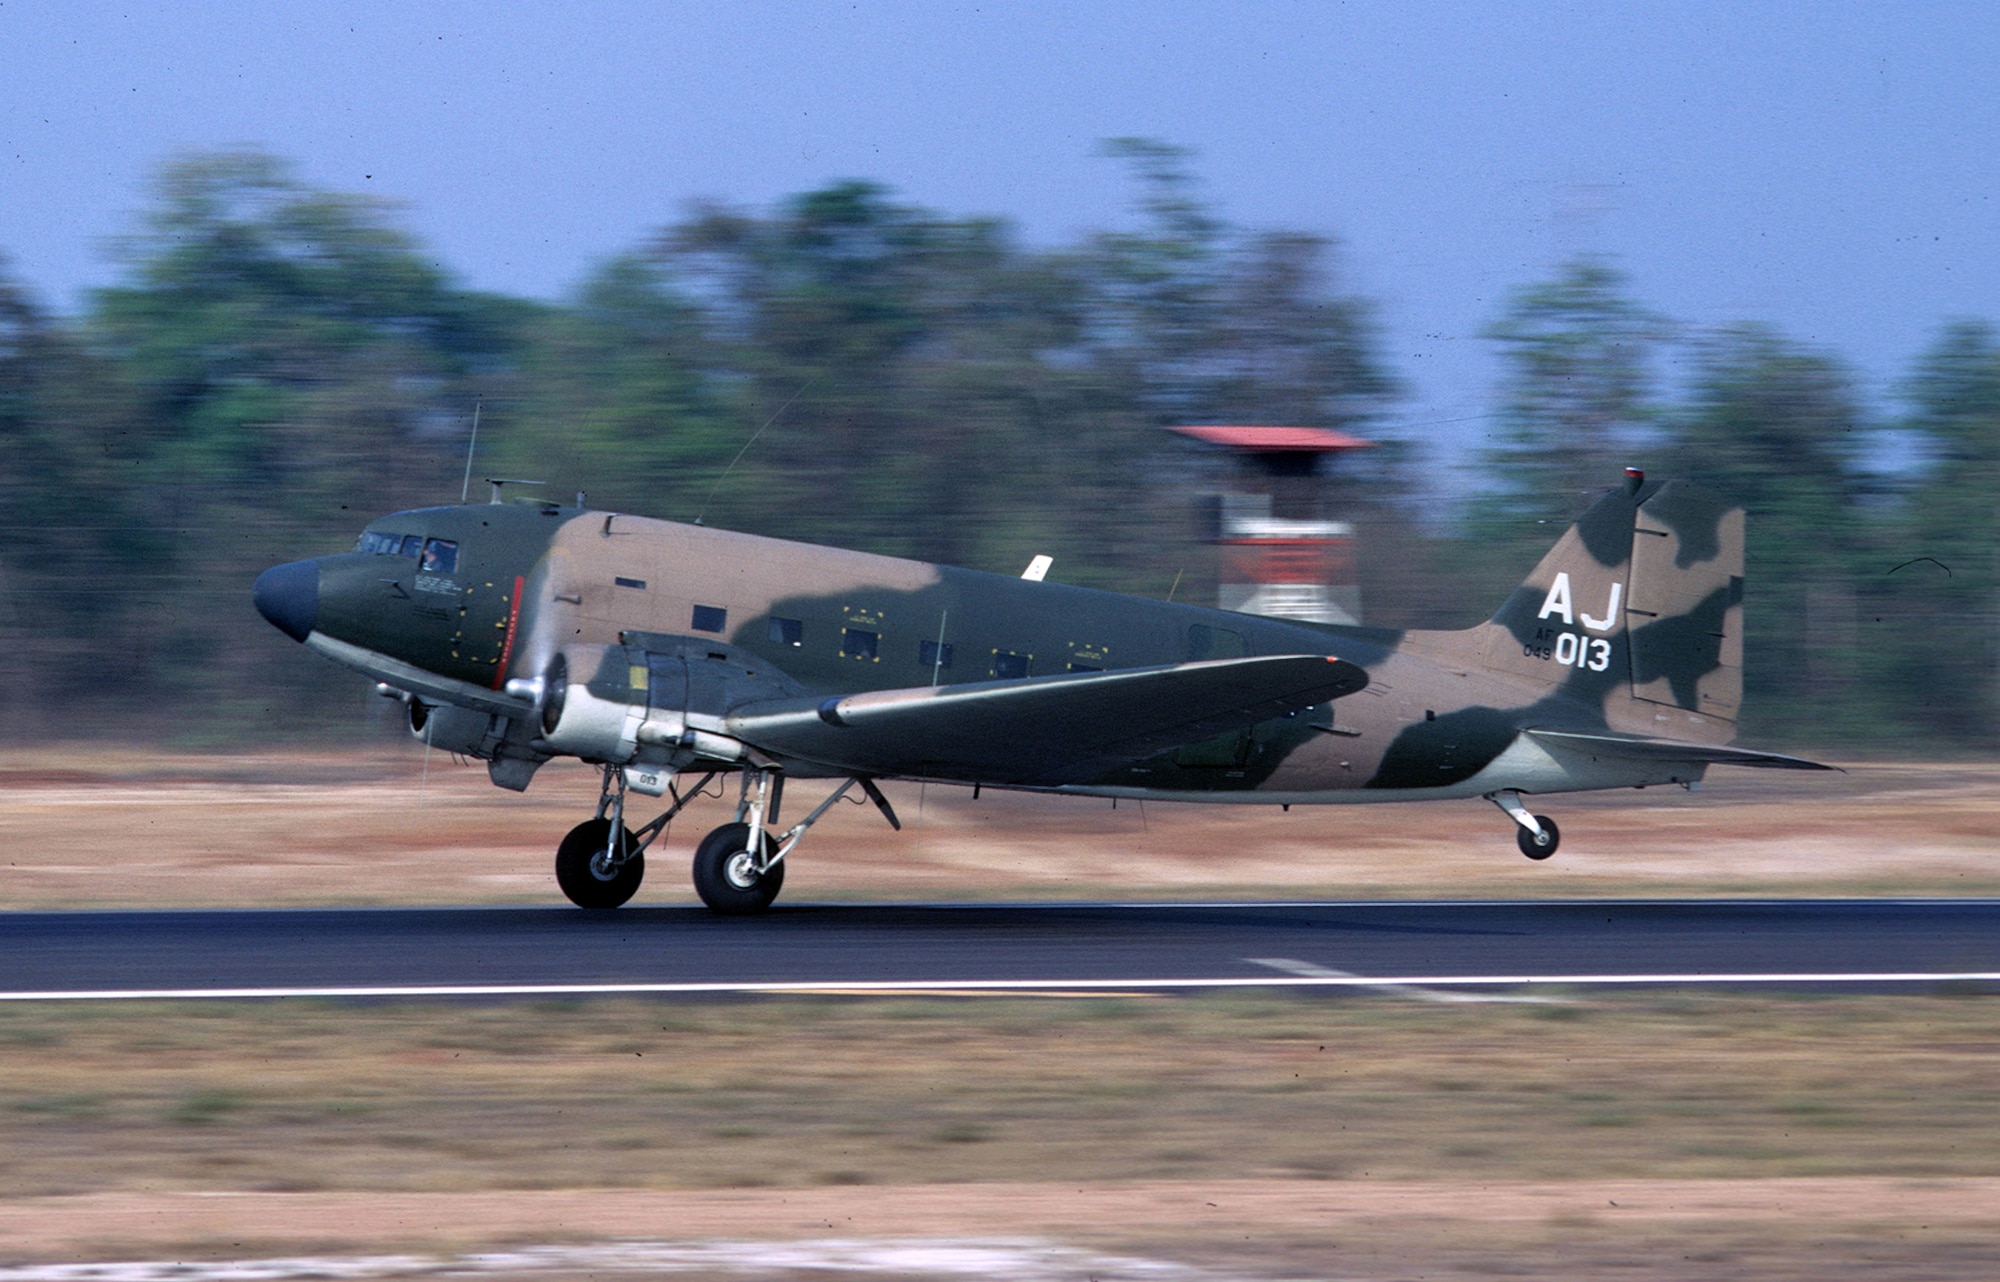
1639, 748
1042, 730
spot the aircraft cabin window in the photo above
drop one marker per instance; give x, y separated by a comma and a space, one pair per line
859, 643
710, 618
787, 631
440, 556
933, 654
624, 582
377, 542
1205, 642
413, 546
1008, 665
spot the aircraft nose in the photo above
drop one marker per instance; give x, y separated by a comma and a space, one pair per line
288, 595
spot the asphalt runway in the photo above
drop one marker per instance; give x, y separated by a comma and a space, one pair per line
1021, 947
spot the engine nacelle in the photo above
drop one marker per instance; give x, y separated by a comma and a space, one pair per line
462, 731
589, 709
595, 703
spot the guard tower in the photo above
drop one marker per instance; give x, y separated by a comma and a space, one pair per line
1282, 554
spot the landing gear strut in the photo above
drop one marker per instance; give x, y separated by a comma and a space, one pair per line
1536, 835
739, 868
601, 862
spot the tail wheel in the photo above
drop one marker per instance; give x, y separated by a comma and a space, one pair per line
589, 878
1542, 845
726, 876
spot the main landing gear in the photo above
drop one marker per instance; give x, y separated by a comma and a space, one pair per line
1536, 834
738, 868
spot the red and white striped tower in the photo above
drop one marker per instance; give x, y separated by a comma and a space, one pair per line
1282, 555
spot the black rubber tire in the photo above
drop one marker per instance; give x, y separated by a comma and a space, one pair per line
1538, 847
585, 888
733, 895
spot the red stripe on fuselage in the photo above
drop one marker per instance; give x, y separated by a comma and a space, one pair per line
507, 646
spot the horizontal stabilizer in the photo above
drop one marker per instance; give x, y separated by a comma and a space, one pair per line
1043, 730
1637, 748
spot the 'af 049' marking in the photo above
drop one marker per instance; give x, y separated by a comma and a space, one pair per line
1571, 649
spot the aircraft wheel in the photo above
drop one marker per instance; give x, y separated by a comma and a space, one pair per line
580, 867
1538, 847
726, 876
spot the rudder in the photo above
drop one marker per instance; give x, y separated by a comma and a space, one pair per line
1685, 602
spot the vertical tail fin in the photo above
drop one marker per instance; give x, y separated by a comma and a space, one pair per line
1639, 607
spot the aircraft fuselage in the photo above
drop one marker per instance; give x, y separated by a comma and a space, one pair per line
476, 596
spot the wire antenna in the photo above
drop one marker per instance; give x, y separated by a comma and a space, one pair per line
466, 489
746, 449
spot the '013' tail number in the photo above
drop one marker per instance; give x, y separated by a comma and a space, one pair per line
1572, 650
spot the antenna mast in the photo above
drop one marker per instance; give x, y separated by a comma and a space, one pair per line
465, 489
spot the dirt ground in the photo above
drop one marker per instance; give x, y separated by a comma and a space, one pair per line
386, 827
1647, 1229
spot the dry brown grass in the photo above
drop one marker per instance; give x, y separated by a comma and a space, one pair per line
95, 830
1656, 1135
301, 1096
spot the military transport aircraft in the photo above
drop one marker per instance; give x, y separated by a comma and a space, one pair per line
519, 632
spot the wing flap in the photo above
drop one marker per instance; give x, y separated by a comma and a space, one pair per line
1637, 748
1042, 730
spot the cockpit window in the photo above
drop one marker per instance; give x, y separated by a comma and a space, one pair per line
378, 542
414, 546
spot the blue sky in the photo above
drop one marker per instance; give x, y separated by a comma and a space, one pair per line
1830, 168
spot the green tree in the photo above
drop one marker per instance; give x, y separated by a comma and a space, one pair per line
1206, 324
1578, 395
291, 341
1187, 319
889, 356
1939, 582
86, 568
297, 363
1778, 428
615, 395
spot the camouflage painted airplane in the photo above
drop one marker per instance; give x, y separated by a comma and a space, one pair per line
519, 632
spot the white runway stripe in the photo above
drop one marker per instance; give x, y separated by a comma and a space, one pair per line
1395, 988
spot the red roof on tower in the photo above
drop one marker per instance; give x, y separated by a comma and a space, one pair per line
1271, 440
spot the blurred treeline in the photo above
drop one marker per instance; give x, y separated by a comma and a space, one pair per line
279, 364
